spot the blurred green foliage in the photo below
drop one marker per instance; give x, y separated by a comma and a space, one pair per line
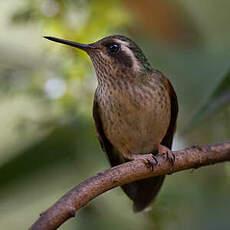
219, 99
48, 142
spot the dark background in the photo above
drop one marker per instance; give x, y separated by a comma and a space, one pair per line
48, 142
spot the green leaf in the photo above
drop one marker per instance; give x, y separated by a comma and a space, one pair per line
219, 99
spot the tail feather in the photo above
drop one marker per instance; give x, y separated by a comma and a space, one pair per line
143, 192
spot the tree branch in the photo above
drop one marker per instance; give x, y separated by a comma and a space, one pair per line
79, 196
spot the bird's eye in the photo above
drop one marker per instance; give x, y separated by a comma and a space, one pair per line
114, 48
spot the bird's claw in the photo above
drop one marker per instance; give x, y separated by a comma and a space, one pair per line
149, 159
171, 157
163, 150
152, 161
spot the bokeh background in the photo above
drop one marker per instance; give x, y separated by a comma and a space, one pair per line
48, 142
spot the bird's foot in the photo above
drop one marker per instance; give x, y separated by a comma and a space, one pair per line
149, 159
163, 150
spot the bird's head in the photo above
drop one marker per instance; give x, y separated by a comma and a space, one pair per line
113, 53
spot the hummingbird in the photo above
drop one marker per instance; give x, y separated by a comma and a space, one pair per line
135, 109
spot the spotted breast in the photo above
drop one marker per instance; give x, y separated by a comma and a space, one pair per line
135, 113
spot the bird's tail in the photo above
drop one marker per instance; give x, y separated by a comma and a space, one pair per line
143, 192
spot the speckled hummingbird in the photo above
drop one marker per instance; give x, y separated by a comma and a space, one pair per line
135, 109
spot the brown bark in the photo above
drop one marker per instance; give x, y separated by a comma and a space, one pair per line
79, 196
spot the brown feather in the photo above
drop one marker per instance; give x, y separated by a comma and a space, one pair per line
144, 191
149, 188
167, 141
113, 157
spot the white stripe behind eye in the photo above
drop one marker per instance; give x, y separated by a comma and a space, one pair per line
124, 47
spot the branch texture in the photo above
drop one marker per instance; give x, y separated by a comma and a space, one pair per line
79, 196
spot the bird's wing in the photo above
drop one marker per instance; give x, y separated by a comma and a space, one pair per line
106, 146
167, 140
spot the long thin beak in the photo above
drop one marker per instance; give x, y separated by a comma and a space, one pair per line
84, 47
